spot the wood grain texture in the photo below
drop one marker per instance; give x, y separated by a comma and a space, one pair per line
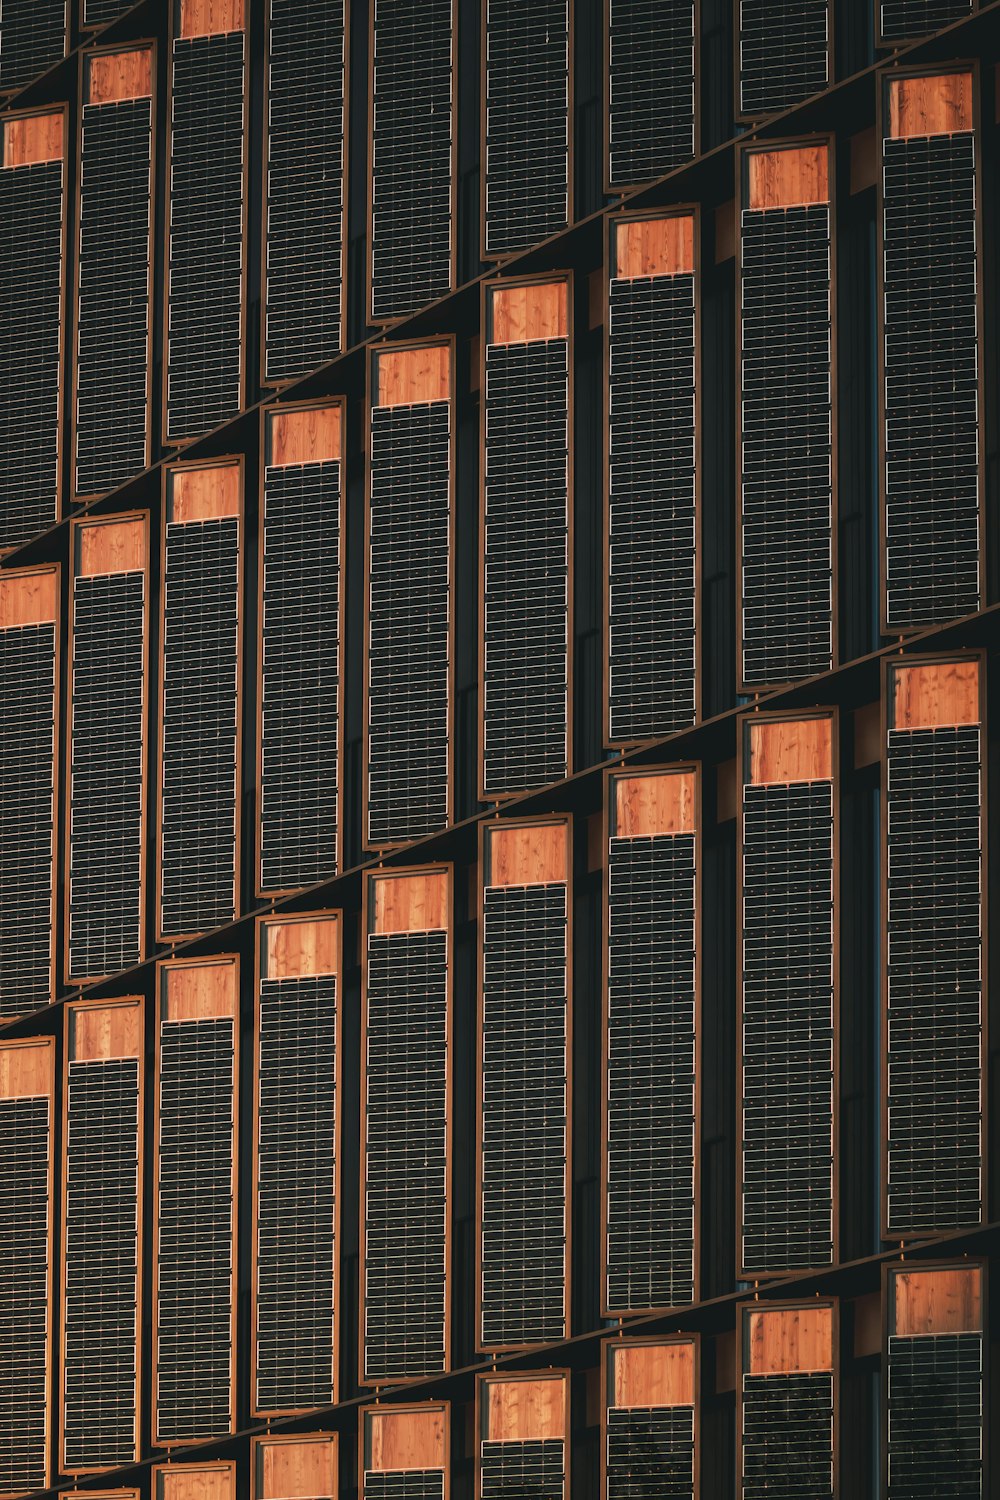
31, 139
935, 695
210, 17
301, 949
789, 178
646, 806
113, 76
787, 750
410, 902
28, 1068
204, 494
652, 1375
195, 991
931, 105
296, 1468
406, 1438
112, 547
29, 598
195, 1482
111, 1029
305, 436
525, 1410
654, 247
789, 1340
408, 377
528, 314
938, 1301
527, 853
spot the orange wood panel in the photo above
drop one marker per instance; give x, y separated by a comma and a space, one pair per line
210, 17
649, 805
790, 177
31, 139
112, 76
193, 992
936, 694
301, 949
112, 547
305, 436
99, 1032
204, 494
29, 598
786, 1340
938, 105
405, 1438
527, 853
296, 1468
786, 750
27, 1068
407, 377
652, 1375
654, 247
938, 1301
416, 902
527, 314
523, 1411
195, 1482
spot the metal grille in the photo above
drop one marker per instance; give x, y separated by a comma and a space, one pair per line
106, 773
404, 1484
935, 1409
31, 274
409, 615
931, 349
25, 1213
300, 711
102, 12
200, 683
525, 1094
194, 1290
112, 362
535, 1469
934, 1017
784, 53
27, 770
904, 20
786, 445
527, 122
651, 506
32, 38
650, 88
650, 1452
305, 186
406, 1156
205, 293
296, 1184
526, 605
651, 1072
787, 1027
101, 1263
411, 151
787, 1437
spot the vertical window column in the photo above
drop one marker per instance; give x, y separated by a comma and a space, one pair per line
522, 1435
650, 1418
295, 1468
650, 53
405, 1452
784, 57
786, 1413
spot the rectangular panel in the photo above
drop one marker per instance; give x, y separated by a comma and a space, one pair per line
930, 436
304, 241
96, 13
522, 1428
296, 1164
411, 189
408, 594
207, 143
200, 624
934, 1016
195, 1200
786, 1125
212, 1481
649, 88
32, 266
102, 1215
651, 1041
295, 1468
784, 53
27, 1098
651, 538
29, 655
406, 1128
34, 36
527, 105
107, 751
906, 20
301, 652
650, 1437
405, 1452
527, 538
787, 1401
523, 1261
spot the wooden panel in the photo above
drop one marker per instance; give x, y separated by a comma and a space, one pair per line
99, 1032
196, 1482
29, 598
301, 949
34, 138
210, 17
411, 1438
936, 694
409, 376
654, 247
525, 314
938, 105
652, 1375
296, 1469
204, 494
192, 992
649, 805
27, 1068
787, 1340
527, 854
112, 547
785, 750
938, 1301
120, 75
305, 437
788, 178
416, 902
522, 1411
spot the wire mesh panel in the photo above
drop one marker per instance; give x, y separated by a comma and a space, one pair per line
651, 91
304, 243
784, 53
787, 1436
527, 89
935, 1416
33, 36
905, 20
650, 1450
